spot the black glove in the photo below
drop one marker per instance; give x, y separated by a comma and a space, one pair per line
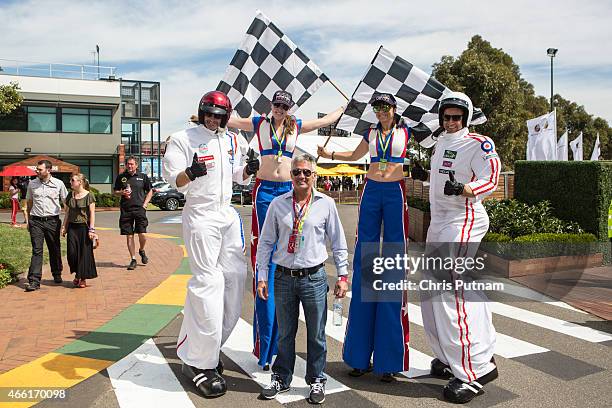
252, 164
453, 187
196, 169
419, 173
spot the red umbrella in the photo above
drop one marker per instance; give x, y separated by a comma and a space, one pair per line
10, 171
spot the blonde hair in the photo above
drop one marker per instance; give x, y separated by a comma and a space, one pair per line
82, 179
288, 125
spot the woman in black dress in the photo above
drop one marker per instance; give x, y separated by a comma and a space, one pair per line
79, 224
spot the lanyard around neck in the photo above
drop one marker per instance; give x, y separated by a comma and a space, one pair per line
278, 140
299, 217
387, 140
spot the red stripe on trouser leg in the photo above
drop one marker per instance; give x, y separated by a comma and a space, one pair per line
461, 337
181, 343
404, 310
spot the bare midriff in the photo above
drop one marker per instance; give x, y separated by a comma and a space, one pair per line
393, 172
273, 170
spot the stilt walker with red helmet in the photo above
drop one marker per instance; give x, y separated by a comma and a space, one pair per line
202, 162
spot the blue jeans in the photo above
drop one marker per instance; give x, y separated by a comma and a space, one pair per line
311, 291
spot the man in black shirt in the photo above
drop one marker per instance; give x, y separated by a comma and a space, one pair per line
135, 190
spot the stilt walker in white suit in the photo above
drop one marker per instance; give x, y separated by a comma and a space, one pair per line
202, 162
464, 169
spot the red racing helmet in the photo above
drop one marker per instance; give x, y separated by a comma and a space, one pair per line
215, 102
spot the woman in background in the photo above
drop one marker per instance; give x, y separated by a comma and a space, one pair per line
79, 224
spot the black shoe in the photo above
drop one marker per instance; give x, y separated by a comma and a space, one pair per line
440, 370
220, 367
276, 387
317, 392
58, 279
31, 287
460, 392
132, 265
358, 372
266, 367
387, 377
208, 382
143, 257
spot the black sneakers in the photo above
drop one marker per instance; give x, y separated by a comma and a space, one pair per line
317, 392
358, 372
276, 387
31, 287
132, 265
440, 370
208, 382
143, 256
58, 279
460, 392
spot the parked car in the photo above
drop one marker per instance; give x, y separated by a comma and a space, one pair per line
161, 186
243, 194
170, 199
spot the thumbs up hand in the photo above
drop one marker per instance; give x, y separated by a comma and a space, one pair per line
452, 186
419, 173
252, 164
196, 169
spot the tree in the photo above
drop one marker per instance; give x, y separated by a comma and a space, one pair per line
10, 99
494, 83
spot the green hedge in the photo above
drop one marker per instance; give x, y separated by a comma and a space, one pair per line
5, 200
578, 191
8, 273
541, 245
418, 203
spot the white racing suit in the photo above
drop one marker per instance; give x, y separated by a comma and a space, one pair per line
214, 239
458, 322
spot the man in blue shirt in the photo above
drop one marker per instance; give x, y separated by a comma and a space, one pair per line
298, 223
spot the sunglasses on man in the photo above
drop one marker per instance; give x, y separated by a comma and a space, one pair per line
214, 115
296, 172
454, 118
381, 108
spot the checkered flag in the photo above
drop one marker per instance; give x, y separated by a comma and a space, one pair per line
418, 96
267, 61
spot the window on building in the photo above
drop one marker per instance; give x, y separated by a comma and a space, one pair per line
16, 120
86, 120
97, 171
75, 120
42, 119
100, 121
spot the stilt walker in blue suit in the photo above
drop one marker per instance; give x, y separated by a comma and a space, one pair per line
377, 328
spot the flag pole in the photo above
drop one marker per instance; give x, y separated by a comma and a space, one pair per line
347, 99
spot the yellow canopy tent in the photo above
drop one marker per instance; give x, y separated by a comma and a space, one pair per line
326, 172
347, 170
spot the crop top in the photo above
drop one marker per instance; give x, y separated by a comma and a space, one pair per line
393, 148
268, 143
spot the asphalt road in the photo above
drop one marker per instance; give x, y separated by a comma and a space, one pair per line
548, 355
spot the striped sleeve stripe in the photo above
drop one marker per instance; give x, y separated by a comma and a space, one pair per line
492, 183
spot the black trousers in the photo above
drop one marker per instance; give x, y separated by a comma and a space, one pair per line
45, 229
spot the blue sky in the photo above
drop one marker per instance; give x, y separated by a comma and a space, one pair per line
187, 45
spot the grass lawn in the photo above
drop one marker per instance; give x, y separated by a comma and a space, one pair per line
16, 249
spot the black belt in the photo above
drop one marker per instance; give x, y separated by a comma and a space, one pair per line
48, 218
299, 273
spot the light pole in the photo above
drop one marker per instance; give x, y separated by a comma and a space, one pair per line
551, 52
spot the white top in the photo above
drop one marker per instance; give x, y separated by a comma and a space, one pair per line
473, 160
46, 197
223, 153
14, 191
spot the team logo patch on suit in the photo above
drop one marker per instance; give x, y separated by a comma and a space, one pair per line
447, 163
446, 171
450, 154
203, 148
486, 146
490, 156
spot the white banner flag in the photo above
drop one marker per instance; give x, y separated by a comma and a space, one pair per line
596, 149
542, 139
576, 146
562, 153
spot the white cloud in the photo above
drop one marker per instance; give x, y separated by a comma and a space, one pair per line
158, 40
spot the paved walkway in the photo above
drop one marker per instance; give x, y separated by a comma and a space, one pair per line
51, 319
589, 290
